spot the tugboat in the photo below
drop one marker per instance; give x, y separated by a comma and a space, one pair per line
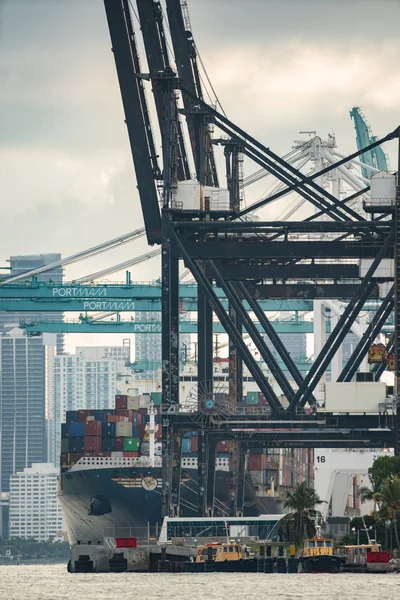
318, 556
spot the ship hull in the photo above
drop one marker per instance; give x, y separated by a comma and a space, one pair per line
112, 502
321, 564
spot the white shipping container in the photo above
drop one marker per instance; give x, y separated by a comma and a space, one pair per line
133, 403
123, 429
357, 397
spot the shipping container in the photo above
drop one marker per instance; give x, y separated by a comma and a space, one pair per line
125, 413
108, 444
64, 445
222, 446
135, 431
64, 430
123, 429
76, 430
108, 429
83, 414
93, 428
257, 462
76, 444
131, 444
72, 416
100, 415
117, 419
130, 454
121, 401
194, 444
141, 430
252, 398
119, 443
133, 404
156, 398
93, 443
117, 454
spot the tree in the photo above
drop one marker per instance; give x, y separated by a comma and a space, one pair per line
389, 502
300, 522
383, 468
370, 493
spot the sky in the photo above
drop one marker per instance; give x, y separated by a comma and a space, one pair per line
278, 67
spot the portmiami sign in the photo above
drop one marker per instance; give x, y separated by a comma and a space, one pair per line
109, 305
147, 328
80, 292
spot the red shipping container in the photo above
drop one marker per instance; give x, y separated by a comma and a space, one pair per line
125, 542
121, 401
222, 446
83, 414
129, 454
119, 444
102, 453
142, 411
141, 431
92, 453
117, 419
124, 413
92, 443
257, 462
93, 428
195, 444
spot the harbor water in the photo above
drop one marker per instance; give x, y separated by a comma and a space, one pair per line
52, 582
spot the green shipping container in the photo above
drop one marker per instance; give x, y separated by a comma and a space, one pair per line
131, 444
252, 397
156, 398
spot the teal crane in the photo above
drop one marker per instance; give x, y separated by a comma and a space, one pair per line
375, 158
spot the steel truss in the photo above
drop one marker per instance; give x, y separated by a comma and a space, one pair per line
246, 260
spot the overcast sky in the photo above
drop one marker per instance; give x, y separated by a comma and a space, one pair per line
278, 67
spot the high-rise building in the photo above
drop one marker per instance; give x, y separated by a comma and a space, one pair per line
148, 347
25, 263
22, 406
85, 380
34, 508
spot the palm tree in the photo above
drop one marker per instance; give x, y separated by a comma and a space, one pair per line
389, 502
299, 523
371, 493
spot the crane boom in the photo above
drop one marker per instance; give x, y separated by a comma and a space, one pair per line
124, 49
188, 73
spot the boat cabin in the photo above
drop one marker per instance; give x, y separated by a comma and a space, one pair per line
219, 552
316, 546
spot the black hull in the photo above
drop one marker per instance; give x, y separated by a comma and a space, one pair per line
321, 564
110, 502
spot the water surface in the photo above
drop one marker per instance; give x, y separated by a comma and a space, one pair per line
52, 582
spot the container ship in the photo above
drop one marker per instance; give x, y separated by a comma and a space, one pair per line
111, 472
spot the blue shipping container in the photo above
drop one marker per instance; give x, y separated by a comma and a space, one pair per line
108, 444
76, 430
108, 429
135, 431
64, 430
72, 416
76, 444
222, 454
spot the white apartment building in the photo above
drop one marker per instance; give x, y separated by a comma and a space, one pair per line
34, 511
85, 380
